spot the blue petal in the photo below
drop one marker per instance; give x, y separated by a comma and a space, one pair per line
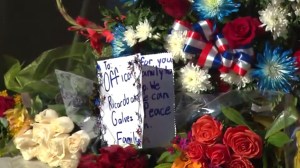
283, 66
119, 46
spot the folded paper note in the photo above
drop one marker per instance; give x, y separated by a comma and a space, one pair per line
137, 100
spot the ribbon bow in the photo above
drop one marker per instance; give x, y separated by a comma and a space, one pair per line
213, 49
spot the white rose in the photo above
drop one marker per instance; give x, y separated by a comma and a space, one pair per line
26, 145
46, 116
62, 125
41, 132
29, 153
54, 162
68, 163
44, 154
78, 142
57, 145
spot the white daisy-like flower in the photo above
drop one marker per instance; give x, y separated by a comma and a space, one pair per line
143, 31
296, 8
174, 45
129, 36
235, 79
194, 79
277, 2
274, 19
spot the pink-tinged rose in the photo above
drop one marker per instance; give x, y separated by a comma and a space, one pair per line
195, 151
218, 154
206, 130
243, 142
237, 162
241, 31
5, 104
175, 8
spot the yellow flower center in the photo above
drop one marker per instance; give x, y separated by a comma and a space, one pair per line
213, 4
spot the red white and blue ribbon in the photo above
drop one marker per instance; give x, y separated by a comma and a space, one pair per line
212, 48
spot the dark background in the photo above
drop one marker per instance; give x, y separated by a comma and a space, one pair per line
27, 28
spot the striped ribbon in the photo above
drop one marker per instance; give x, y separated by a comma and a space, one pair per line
212, 48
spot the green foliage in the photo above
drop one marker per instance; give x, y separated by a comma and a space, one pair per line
168, 157
279, 139
283, 120
38, 78
234, 116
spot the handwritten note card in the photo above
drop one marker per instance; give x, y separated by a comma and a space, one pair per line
158, 98
138, 100
121, 97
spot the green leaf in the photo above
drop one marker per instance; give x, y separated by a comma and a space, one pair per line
168, 157
164, 165
37, 105
283, 120
279, 139
4, 122
234, 116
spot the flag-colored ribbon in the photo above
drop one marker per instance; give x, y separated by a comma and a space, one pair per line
212, 48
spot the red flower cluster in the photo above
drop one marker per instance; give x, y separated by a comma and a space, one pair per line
114, 157
96, 34
6, 103
209, 146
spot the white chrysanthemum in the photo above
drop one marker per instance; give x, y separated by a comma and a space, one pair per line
235, 79
274, 19
129, 36
174, 45
194, 79
143, 30
296, 8
277, 2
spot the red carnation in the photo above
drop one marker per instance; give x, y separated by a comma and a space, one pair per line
5, 104
175, 8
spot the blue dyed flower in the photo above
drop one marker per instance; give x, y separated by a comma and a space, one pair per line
131, 1
275, 69
119, 46
214, 9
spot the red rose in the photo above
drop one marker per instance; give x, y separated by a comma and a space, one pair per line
243, 142
175, 8
139, 162
118, 157
88, 161
241, 31
112, 156
297, 55
195, 151
5, 104
206, 130
236, 162
218, 154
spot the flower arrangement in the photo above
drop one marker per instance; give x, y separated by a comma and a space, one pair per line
217, 46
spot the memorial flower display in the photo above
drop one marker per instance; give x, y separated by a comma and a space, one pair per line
217, 79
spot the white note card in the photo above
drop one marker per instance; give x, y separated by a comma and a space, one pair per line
137, 100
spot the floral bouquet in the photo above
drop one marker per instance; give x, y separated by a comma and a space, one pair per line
251, 132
